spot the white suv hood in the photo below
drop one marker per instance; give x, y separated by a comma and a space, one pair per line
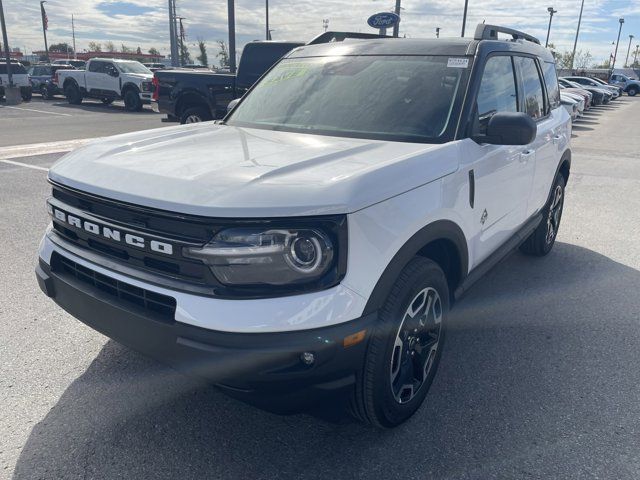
223, 171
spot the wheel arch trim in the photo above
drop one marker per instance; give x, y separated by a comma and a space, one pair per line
438, 230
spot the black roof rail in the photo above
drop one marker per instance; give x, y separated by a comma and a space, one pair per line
328, 37
490, 32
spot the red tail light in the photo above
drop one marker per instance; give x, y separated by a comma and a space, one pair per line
55, 78
156, 88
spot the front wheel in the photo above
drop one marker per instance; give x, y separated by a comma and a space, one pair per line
44, 91
132, 102
541, 241
195, 115
633, 91
72, 92
27, 96
405, 348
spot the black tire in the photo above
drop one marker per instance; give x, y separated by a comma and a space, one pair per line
541, 241
107, 101
381, 398
195, 115
72, 92
132, 102
27, 96
44, 91
633, 91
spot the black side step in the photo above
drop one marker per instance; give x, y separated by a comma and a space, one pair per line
500, 254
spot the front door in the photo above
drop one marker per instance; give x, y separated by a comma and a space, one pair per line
503, 174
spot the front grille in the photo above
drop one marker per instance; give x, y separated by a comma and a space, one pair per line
159, 307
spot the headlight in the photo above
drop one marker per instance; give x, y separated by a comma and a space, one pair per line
273, 256
146, 86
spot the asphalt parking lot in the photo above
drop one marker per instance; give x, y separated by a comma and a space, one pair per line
40, 121
539, 376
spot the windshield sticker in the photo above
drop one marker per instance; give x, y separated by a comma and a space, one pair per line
286, 72
458, 63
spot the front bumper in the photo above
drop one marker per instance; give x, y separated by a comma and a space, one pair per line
265, 369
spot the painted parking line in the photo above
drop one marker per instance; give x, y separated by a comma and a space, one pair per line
19, 151
26, 165
38, 111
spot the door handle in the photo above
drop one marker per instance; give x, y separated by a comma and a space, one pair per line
526, 155
557, 138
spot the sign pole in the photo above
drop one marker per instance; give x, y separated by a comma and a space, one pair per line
44, 29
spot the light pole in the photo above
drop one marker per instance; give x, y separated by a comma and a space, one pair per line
172, 36
626, 62
575, 43
44, 28
5, 43
437, 32
396, 27
266, 10
464, 16
635, 55
615, 55
231, 13
73, 33
551, 12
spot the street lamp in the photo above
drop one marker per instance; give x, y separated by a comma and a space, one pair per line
626, 62
615, 55
464, 16
551, 12
266, 10
575, 43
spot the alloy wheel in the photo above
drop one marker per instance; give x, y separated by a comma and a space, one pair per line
555, 213
416, 345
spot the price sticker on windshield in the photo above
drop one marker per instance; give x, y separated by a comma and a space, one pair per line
458, 63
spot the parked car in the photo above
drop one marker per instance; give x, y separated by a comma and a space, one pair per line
618, 88
198, 96
600, 95
583, 94
590, 82
108, 80
571, 104
629, 85
313, 243
20, 79
41, 77
79, 64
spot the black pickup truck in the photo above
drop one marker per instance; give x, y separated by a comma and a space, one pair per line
195, 96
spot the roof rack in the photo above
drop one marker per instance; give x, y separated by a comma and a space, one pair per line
328, 37
490, 32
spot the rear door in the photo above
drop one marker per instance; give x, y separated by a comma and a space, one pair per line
503, 173
94, 76
549, 138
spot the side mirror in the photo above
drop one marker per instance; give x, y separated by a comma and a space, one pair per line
114, 73
509, 128
232, 104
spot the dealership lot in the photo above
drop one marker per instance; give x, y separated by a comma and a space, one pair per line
41, 121
539, 379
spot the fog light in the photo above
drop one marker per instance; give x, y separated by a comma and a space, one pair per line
307, 358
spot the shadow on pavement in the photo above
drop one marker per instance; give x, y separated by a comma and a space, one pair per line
539, 379
97, 106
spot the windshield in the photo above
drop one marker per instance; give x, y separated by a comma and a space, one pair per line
401, 98
133, 67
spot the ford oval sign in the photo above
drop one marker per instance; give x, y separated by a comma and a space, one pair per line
383, 20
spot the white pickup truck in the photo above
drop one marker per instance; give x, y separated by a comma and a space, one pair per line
20, 79
108, 80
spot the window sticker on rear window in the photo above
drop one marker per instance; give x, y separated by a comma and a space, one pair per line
458, 63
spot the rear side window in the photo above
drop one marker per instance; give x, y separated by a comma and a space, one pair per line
551, 81
497, 89
16, 69
97, 67
532, 96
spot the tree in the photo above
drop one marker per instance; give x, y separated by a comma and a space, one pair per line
606, 64
125, 49
60, 48
223, 54
154, 51
203, 58
185, 56
95, 47
583, 60
139, 51
110, 47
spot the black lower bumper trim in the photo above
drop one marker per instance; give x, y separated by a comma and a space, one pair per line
258, 367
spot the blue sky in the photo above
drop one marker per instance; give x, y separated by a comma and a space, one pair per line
144, 23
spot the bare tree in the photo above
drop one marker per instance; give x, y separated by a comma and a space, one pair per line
95, 47
110, 47
223, 54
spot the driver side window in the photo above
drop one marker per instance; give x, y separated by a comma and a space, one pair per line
497, 90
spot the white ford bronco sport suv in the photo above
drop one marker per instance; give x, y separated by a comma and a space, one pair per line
108, 80
313, 242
